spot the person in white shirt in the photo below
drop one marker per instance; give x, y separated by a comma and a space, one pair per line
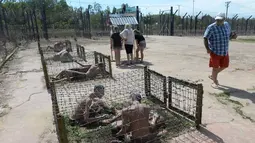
128, 36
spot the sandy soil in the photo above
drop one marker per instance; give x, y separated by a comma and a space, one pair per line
180, 57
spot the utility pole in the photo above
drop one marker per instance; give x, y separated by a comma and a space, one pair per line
227, 5
179, 11
193, 8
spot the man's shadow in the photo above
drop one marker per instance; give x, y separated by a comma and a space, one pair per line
238, 93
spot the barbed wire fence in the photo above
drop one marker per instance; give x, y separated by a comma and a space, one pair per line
167, 23
15, 29
89, 20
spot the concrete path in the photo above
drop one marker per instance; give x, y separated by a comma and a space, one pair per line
30, 116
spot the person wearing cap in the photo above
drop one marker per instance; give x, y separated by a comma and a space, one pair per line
91, 108
116, 44
216, 42
128, 36
141, 44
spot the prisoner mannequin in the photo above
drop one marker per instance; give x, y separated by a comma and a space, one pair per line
63, 56
88, 110
135, 120
86, 72
59, 46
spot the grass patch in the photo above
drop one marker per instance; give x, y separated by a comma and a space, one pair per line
251, 89
172, 125
224, 98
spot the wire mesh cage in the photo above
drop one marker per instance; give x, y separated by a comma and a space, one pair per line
75, 63
185, 98
76, 50
128, 114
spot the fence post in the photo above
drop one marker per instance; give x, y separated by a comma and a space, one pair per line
196, 22
28, 23
33, 27
165, 91
5, 21
169, 22
183, 21
89, 26
190, 24
172, 22
83, 23
199, 105
1, 20
160, 22
246, 24
169, 92
45, 71
146, 86
187, 23
95, 56
164, 23
44, 20
110, 65
137, 17
59, 120
83, 55
233, 22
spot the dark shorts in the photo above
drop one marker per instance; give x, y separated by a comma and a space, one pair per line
142, 44
217, 61
129, 49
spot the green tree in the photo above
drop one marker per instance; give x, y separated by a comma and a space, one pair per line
108, 10
114, 10
97, 7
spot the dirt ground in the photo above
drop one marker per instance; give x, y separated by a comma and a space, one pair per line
227, 119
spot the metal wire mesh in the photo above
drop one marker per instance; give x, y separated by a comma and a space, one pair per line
79, 56
157, 85
55, 67
76, 54
99, 57
184, 97
117, 91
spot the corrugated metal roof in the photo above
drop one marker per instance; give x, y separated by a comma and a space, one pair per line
122, 20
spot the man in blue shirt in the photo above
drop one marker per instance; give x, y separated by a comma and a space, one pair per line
216, 41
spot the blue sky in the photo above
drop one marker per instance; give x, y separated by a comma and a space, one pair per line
244, 8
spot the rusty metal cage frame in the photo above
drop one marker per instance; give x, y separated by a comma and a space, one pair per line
98, 57
166, 93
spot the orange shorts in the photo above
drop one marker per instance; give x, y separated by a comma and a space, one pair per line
217, 61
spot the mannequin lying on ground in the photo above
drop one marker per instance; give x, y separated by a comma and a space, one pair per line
85, 72
63, 56
59, 46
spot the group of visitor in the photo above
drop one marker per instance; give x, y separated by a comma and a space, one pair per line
128, 37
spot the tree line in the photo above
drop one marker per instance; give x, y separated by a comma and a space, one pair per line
60, 15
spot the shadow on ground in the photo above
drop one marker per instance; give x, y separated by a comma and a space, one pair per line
198, 136
239, 93
210, 135
135, 65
